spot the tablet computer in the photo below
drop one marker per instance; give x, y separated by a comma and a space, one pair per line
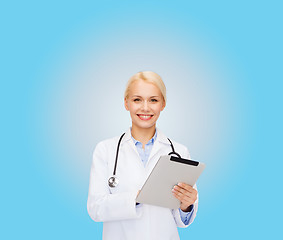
168, 171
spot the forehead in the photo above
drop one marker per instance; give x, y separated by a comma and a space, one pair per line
143, 88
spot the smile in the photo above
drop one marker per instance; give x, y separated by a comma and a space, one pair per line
144, 116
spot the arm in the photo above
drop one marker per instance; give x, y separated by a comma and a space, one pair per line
190, 217
186, 216
188, 196
103, 206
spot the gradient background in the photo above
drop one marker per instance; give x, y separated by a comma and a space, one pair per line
64, 66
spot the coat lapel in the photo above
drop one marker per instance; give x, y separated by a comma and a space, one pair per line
161, 141
127, 139
159, 144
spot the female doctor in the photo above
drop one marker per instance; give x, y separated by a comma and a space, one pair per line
112, 200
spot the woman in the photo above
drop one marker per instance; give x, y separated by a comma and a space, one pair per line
140, 149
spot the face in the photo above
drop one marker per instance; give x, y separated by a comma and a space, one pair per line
144, 102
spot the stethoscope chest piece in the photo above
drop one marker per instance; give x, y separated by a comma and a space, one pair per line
113, 181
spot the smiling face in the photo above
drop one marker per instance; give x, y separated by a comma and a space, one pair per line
144, 102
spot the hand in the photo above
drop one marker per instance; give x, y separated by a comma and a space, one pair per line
186, 194
137, 196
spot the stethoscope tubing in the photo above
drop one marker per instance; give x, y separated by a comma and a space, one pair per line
117, 153
113, 181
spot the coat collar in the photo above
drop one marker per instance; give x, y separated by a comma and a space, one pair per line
160, 137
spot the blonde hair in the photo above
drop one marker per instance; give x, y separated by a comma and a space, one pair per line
149, 77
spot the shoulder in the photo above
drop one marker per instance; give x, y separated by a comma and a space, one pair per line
179, 148
107, 143
105, 149
179, 145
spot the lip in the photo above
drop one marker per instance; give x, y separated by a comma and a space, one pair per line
145, 117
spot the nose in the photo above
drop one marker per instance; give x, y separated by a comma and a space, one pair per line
145, 106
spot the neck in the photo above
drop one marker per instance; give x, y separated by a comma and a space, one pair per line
143, 134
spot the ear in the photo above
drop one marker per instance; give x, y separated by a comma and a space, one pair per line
163, 105
126, 104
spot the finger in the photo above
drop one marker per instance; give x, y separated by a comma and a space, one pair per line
192, 197
183, 194
185, 191
181, 190
184, 199
186, 186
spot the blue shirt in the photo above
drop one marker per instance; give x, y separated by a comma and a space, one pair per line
144, 155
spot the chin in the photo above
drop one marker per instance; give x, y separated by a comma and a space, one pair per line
145, 126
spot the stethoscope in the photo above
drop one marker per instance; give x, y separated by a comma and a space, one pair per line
113, 180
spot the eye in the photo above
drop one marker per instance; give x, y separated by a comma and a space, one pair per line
154, 100
136, 99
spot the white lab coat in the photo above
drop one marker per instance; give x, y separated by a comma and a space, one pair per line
116, 207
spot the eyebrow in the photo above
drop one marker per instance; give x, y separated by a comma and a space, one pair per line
141, 96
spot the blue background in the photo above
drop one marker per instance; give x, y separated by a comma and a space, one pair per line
64, 66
